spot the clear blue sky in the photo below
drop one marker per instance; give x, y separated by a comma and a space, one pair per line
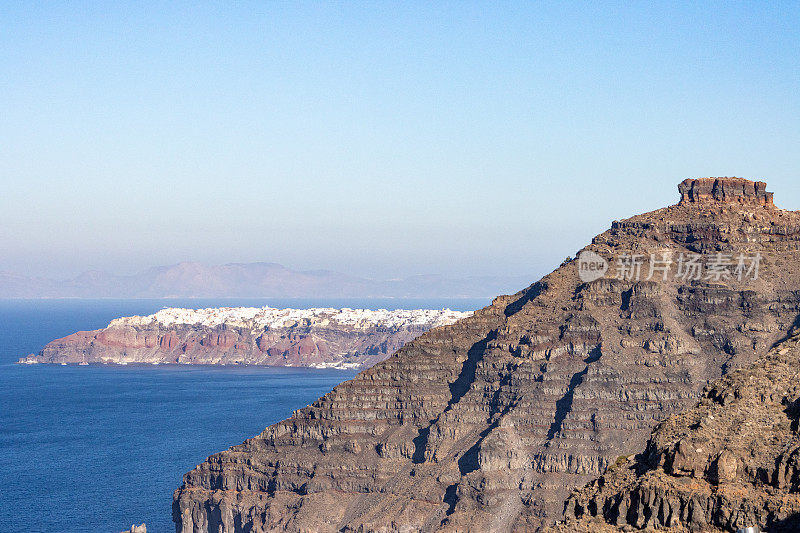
377, 138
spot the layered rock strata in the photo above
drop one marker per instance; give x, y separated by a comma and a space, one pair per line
704, 190
489, 423
731, 462
349, 338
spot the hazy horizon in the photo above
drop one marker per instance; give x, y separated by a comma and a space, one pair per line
384, 141
259, 280
255, 263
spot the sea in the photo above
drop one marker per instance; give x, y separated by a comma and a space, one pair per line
98, 448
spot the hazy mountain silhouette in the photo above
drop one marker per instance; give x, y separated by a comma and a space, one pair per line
195, 280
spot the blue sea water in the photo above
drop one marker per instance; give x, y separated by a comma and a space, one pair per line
98, 448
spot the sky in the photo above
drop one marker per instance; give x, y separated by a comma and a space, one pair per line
381, 139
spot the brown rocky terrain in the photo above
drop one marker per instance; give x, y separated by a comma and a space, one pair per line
732, 461
349, 338
489, 423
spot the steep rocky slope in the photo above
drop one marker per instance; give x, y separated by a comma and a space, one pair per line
321, 337
489, 423
731, 462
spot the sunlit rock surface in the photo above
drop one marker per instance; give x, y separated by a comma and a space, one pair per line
488, 424
322, 337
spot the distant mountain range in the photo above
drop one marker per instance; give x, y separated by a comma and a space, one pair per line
257, 280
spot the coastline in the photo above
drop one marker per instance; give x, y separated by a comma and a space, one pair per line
317, 366
318, 337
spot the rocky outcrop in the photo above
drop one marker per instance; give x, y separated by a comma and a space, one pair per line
731, 462
347, 338
489, 423
137, 529
725, 190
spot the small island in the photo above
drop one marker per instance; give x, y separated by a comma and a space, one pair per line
319, 338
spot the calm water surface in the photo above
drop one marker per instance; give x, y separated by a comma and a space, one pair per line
96, 448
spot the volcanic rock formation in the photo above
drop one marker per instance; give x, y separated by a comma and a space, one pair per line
731, 462
489, 423
704, 190
348, 338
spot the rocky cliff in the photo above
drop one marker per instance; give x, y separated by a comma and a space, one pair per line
347, 338
489, 423
732, 461
725, 190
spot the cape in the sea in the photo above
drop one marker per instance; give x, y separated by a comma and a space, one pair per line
489, 423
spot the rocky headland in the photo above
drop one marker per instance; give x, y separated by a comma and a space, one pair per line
490, 423
320, 337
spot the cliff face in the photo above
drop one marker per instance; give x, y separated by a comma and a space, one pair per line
275, 337
731, 462
489, 423
726, 190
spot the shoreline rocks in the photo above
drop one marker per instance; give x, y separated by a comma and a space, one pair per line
137, 529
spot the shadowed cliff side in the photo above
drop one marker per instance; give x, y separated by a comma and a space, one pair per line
489, 423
